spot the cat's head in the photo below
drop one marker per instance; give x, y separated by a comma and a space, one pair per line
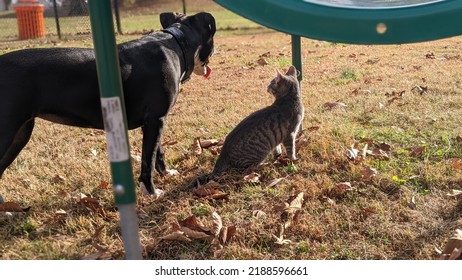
283, 83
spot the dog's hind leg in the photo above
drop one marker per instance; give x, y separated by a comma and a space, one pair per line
152, 131
12, 142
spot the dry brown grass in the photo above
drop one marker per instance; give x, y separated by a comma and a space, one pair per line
375, 220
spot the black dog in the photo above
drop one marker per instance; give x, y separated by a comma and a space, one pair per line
60, 85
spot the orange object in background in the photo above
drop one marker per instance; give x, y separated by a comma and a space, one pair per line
29, 14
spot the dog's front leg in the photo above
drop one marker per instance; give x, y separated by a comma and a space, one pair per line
160, 165
152, 131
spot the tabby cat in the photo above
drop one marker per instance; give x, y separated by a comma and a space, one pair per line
256, 136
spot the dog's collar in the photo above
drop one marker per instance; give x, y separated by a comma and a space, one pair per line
188, 57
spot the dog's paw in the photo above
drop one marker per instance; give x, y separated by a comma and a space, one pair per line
156, 195
171, 172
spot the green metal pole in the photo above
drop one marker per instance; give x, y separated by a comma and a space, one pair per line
297, 55
297, 60
115, 123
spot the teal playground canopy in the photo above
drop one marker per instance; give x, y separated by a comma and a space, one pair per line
356, 21
349, 21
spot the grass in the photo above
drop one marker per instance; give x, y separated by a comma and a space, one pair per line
373, 220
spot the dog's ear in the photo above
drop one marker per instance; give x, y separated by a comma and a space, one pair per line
167, 19
207, 20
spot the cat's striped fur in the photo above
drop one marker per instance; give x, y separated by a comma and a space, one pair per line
256, 136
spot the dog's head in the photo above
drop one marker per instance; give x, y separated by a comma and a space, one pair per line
202, 23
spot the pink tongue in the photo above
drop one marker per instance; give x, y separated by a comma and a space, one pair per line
208, 72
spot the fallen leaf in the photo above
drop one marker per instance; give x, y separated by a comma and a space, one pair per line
291, 210
369, 210
274, 182
208, 191
352, 153
176, 235
12, 207
451, 57
281, 241
217, 223
368, 172
258, 214
300, 141
454, 193
420, 89
61, 212
456, 253
194, 228
393, 99
92, 257
458, 139
296, 203
453, 247
328, 200
367, 140
430, 55
94, 152
90, 203
226, 234
417, 151
313, 128
262, 62
252, 178
169, 142
372, 60
456, 163
58, 179
395, 93
378, 153
215, 150
197, 149
341, 188
384, 146
205, 144
331, 105
412, 203
104, 184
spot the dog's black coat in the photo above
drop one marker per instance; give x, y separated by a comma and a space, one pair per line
60, 85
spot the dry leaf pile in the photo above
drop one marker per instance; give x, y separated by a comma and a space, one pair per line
212, 145
192, 228
453, 248
290, 213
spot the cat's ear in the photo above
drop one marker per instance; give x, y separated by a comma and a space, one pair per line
292, 71
278, 75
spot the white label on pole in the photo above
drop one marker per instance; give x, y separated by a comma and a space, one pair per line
115, 129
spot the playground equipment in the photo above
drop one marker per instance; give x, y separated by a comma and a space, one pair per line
347, 21
354, 21
113, 107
